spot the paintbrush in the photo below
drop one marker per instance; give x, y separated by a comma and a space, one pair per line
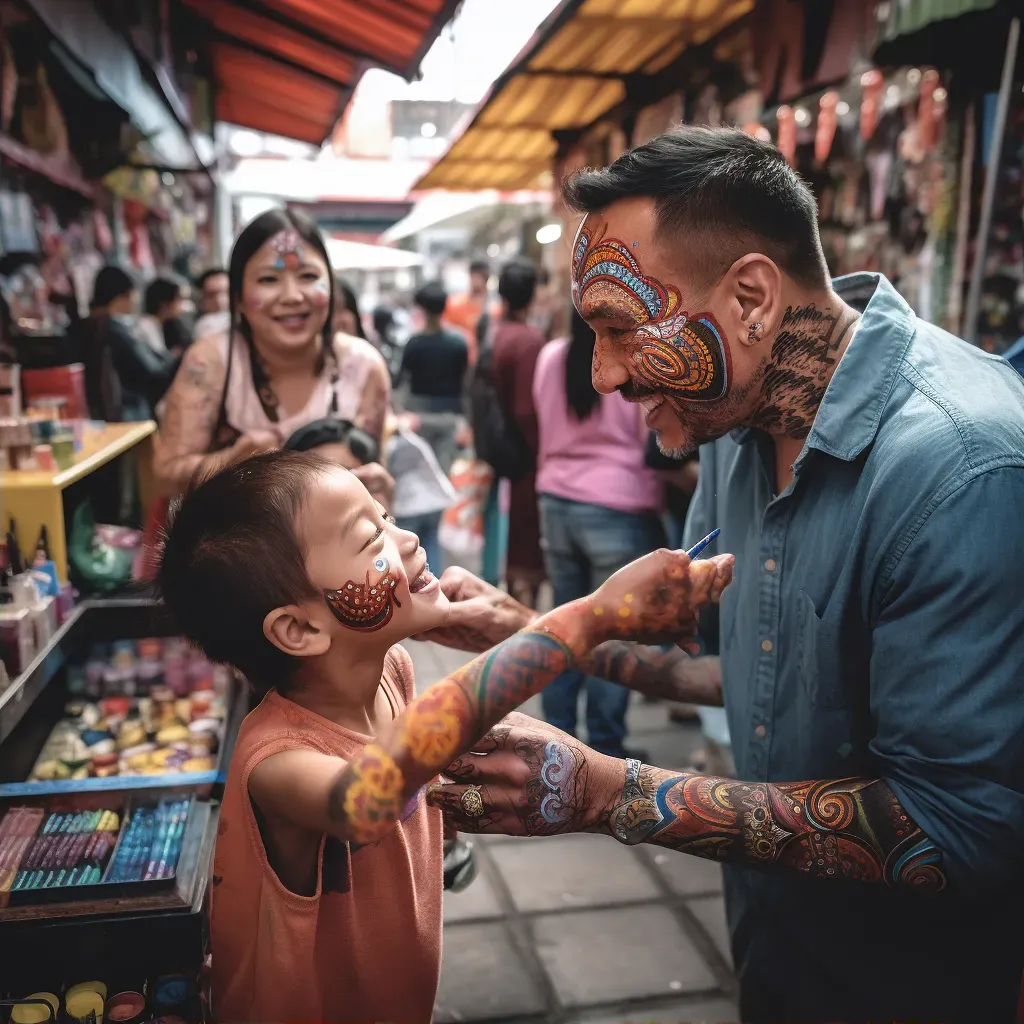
702, 544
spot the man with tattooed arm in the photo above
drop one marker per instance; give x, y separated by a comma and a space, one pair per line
867, 471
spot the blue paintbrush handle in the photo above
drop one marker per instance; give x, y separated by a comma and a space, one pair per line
702, 544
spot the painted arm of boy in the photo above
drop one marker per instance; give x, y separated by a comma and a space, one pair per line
482, 616
362, 800
854, 829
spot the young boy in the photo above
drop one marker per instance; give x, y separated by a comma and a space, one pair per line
327, 879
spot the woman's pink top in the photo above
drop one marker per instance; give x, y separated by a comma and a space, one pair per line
599, 460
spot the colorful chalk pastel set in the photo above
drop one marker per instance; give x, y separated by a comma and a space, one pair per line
60, 855
165, 999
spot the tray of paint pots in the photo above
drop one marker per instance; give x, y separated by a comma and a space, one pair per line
176, 847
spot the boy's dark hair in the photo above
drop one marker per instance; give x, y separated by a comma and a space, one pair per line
232, 553
432, 298
516, 285
718, 194
480, 267
160, 292
111, 283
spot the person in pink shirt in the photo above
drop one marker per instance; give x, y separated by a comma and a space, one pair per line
599, 510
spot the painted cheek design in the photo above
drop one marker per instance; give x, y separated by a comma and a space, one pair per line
288, 247
366, 606
320, 294
671, 350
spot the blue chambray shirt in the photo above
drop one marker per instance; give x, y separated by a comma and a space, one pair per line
875, 627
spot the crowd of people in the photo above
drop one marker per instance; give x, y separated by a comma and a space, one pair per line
862, 786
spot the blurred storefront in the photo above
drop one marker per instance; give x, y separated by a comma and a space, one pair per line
889, 110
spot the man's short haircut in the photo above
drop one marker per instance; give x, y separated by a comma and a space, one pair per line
432, 298
233, 552
718, 194
207, 274
480, 267
516, 285
160, 292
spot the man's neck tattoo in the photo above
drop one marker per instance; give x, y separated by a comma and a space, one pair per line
803, 358
366, 606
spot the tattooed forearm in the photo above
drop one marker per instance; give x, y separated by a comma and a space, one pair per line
449, 718
848, 828
665, 674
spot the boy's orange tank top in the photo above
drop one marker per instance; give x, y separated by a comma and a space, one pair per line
367, 945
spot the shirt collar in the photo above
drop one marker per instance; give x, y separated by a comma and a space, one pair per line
851, 408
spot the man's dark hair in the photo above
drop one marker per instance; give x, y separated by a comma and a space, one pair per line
233, 552
480, 267
432, 298
516, 285
111, 283
160, 292
207, 274
718, 194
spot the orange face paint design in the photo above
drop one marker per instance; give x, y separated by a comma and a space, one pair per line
671, 350
366, 606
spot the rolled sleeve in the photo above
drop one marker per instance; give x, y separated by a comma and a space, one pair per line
947, 667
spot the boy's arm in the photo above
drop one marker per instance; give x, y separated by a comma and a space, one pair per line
361, 801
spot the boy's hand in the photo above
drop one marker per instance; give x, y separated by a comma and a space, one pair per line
653, 599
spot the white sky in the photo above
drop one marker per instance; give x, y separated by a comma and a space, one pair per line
488, 35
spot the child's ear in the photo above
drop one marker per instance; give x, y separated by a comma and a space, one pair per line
291, 630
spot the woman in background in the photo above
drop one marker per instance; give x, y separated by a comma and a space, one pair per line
347, 318
599, 510
281, 367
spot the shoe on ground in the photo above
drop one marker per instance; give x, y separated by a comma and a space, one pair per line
459, 864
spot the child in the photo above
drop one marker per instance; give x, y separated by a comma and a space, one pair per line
326, 897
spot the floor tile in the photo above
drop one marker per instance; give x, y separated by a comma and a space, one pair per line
686, 875
710, 912
620, 954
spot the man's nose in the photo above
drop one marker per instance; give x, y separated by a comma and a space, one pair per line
608, 369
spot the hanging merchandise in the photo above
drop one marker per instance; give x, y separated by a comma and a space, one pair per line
787, 133
826, 131
871, 82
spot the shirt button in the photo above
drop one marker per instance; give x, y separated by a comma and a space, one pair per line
760, 732
770, 565
766, 645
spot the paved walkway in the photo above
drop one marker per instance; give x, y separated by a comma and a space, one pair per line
580, 928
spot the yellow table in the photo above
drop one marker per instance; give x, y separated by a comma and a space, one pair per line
35, 498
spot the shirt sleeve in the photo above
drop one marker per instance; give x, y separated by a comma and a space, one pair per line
947, 665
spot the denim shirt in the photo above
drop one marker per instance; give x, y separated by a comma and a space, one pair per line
875, 628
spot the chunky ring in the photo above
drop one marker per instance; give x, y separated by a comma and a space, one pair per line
472, 802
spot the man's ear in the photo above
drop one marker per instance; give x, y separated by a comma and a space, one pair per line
756, 285
292, 630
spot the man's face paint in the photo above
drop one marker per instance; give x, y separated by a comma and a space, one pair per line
366, 606
671, 351
288, 247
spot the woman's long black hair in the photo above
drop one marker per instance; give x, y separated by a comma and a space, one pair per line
252, 238
580, 394
348, 299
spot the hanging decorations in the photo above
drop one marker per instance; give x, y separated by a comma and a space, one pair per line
826, 131
871, 100
786, 118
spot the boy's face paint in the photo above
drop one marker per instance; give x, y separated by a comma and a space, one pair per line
366, 605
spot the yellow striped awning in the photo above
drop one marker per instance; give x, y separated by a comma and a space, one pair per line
569, 75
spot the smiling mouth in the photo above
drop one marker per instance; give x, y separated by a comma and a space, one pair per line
423, 580
292, 319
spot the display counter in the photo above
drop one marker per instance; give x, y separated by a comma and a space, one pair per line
35, 498
106, 834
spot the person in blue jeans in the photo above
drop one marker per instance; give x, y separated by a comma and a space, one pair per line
599, 510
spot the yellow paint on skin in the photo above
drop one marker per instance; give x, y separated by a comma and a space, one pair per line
628, 599
599, 611
624, 613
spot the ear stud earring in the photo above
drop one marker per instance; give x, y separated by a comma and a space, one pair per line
754, 333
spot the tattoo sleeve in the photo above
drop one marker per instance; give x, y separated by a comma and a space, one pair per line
848, 828
369, 794
665, 674
190, 416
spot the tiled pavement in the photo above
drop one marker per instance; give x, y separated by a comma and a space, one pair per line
582, 930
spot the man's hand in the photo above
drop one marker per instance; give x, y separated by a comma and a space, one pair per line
665, 675
481, 615
653, 600
529, 779
378, 481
